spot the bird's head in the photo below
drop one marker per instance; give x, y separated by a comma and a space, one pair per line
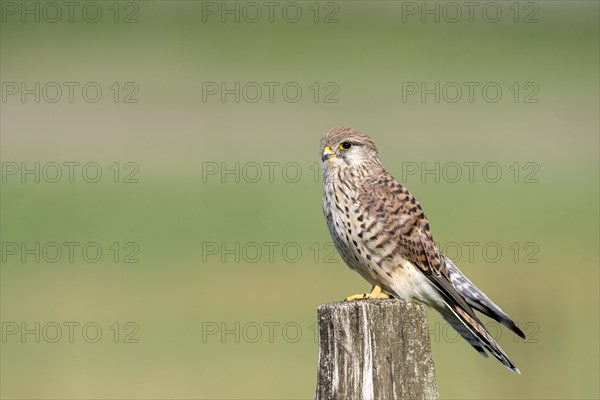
346, 147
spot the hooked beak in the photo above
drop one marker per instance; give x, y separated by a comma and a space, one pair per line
327, 152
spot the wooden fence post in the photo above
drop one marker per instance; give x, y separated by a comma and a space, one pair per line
374, 349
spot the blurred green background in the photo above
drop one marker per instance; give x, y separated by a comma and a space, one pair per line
181, 297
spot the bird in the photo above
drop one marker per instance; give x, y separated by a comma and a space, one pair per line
380, 231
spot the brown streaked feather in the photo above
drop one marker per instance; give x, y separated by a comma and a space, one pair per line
448, 291
411, 228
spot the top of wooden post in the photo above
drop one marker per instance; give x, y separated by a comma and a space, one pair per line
374, 349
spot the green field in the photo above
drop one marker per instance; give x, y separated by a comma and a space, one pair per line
219, 267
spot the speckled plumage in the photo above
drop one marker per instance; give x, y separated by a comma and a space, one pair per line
380, 231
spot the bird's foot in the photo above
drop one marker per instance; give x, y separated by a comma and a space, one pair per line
376, 293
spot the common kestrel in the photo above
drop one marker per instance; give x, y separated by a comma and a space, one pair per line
381, 232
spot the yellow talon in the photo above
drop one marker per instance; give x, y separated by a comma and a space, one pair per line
376, 293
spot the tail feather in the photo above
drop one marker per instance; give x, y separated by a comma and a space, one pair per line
473, 331
478, 300
464, 332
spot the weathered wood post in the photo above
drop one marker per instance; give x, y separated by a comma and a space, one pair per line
374, 349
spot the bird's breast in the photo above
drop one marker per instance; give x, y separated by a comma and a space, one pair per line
366, 245
354, 233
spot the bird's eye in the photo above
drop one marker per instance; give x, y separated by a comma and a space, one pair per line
345, 145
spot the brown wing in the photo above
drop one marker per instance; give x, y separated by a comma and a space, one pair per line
397, 210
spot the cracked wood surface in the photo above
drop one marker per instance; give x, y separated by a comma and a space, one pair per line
374, 349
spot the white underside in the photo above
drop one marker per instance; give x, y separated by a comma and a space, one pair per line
409, 283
